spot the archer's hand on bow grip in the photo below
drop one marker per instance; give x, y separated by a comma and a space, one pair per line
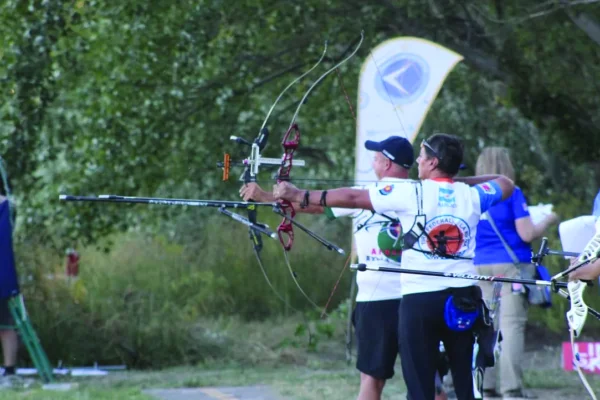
286, 191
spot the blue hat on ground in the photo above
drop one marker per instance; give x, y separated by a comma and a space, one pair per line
396, 148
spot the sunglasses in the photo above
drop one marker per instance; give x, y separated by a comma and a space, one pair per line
428, 146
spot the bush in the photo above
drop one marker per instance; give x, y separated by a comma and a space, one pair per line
149, 302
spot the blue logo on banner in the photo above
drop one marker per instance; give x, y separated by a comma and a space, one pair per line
403, 78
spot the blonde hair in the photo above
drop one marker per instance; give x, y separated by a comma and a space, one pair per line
495, 160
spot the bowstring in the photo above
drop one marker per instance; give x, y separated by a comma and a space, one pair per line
264, 272
287, 262
337, 70
324, 313
280, 297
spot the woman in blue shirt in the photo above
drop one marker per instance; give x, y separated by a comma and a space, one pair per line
493, 257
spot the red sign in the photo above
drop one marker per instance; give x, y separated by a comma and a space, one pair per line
589, 356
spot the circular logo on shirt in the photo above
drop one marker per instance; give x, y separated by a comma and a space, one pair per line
404, 77
445, 234
389, 240
387, 189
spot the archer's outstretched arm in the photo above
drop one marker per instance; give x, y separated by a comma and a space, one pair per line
342, 197
254, 191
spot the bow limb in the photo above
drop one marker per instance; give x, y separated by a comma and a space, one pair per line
362, 37
264, 124
290, 143
576, 317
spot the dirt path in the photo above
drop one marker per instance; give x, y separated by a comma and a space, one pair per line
211, 393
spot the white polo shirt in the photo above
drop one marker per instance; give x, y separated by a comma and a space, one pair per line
452, 211
378, 242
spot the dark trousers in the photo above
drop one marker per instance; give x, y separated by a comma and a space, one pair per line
422, 327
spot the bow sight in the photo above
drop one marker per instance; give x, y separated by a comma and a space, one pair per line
255, 160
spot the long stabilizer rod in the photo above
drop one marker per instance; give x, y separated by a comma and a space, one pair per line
364, 267
558, 287
108, 198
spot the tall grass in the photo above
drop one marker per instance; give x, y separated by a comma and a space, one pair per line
154, 302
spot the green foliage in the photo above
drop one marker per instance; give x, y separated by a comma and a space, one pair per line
149, 302
140, 98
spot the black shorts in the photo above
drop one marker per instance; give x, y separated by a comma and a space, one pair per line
376, 327
6, 319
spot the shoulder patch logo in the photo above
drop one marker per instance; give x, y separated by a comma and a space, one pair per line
386, 190
487, 188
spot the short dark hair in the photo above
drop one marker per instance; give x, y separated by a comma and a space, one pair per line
448, 149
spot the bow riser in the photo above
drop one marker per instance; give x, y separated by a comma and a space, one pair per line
577, 315
285, 230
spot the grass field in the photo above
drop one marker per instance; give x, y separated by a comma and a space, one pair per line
314, 378
269, 353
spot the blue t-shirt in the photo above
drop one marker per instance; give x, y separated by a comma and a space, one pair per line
8, 276
596, 210
489, 248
